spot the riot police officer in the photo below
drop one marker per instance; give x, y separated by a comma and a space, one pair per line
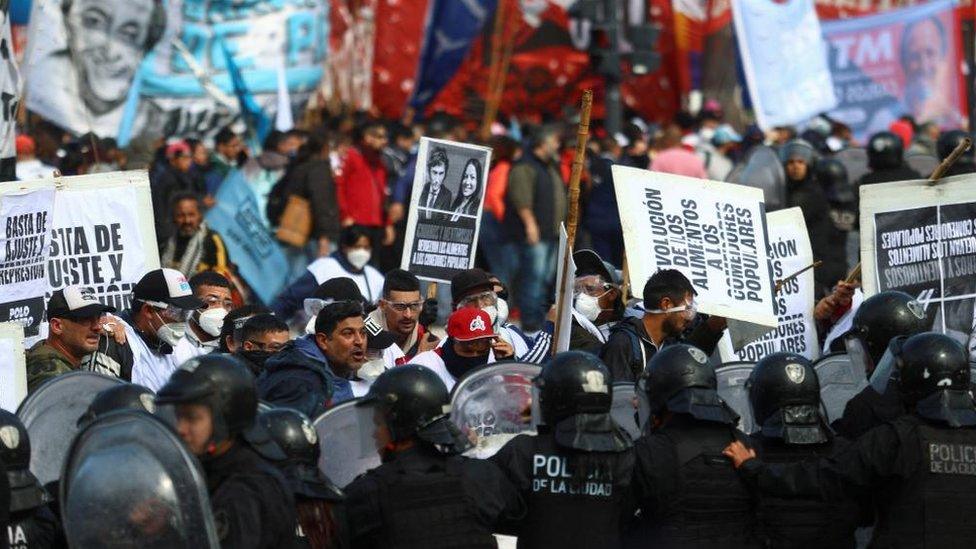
31, 524
575, 475
128, 396
921, 466
689, 494
424, 494
784, 394
215, 405
886, 158
878, 320
319, 502
947, 143
832, 176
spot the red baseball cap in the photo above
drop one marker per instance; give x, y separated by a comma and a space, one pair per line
469, 324
177, 148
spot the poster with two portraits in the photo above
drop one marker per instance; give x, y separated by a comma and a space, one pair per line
445, 209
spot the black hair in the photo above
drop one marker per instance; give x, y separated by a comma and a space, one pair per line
534, 137
209, 278
477, 190
272, 140
180, 196
234, 322
907, 33
366, 127
399, 280
331, 315
224, 136
398, 130
262, 324
351, 234
438, 157
668, 283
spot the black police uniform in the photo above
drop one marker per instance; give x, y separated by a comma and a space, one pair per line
37, 528
251, 506
421, 498
575, 476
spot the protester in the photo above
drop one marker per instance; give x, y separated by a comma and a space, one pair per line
491, 239
264, 170
290, 378
215, 404
601, 216
350, 261
204, 324
677, 158
405, 314
361, 186
535, 205
231, 336
75, 319
669, 311
597, 305
28, 166
162, 301
228, 147
468, 347
424, 494
194, 247
262, 336
173, 178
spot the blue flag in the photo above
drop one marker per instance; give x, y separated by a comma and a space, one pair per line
259, 258
452, 25
258, 124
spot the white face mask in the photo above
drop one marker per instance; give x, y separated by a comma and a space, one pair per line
359, 257
502, 317
492, 311
588, 306
171, 333
310, 326
212, 320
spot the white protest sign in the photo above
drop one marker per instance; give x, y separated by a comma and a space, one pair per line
713, 233
564, 286
921, 240
789, 253
445, 209
13, 366
26, 217
104, 235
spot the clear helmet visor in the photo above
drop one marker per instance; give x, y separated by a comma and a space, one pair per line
858, 352
886, 370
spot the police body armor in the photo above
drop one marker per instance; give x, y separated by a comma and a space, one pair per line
707, 503
558, 497
932, 506
802, 522
35, 529
429, 509
129, 482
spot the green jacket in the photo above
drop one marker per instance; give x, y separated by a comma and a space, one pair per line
43, 363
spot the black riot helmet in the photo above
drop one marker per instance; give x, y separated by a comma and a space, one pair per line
573, 383
220, 382
129, 396
878, 320
948, 142
680, 380
933, 374
885, 151
784, 393
832, 176
293, 432
414, 403
15, 452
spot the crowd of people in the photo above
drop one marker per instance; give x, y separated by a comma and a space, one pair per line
240, 381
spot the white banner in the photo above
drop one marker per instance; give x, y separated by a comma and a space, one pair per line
789, 252
714, 233
565, 284
784, 59
13, 366
9, 87
104, 235
445, 209
24, 246
921, 239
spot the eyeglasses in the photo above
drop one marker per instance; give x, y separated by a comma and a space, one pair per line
484, 299
401, 307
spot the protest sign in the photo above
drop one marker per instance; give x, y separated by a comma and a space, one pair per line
904, 61
445, 209
238, 218
796, 332
10, 88
921, 239
103, 235
26, 216
13, 366
159, 76
784, 58
714, 233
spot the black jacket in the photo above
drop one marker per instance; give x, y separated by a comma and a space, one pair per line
623, 357
826, 240
292, 379
253, 508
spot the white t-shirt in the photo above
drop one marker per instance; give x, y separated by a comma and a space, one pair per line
148, 368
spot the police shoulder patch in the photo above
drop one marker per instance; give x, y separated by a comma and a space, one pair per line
10, 437
595, 382
698, 355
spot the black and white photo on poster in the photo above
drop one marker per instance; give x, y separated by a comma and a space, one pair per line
27, 219
445, 209
923, 242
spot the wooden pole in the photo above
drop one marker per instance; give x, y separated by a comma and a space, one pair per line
854, 275
962, 147
780, 283
494, 70
572, 218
